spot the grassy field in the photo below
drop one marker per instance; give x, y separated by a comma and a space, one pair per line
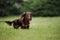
41, 28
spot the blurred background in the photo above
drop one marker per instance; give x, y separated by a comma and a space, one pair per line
45, 24
38, 7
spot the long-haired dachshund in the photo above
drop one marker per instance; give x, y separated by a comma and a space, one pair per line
22, 22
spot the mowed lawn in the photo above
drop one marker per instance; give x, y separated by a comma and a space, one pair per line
41, 28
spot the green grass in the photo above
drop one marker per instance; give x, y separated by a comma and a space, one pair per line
41, 28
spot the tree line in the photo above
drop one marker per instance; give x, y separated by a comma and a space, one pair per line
37, 7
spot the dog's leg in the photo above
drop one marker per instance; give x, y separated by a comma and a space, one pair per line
27, 26
15, 26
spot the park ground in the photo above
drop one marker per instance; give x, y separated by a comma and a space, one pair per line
41, 28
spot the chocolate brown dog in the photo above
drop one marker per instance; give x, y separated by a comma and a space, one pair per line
22, 22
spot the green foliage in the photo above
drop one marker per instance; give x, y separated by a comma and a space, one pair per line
43, 7
8, 7
37, 7
48, 8
52, 7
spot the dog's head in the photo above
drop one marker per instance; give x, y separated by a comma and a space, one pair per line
27, 15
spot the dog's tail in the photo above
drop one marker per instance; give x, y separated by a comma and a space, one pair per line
9, 22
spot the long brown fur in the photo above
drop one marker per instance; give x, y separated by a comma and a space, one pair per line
22, 22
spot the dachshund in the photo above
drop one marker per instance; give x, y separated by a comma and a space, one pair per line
22, 22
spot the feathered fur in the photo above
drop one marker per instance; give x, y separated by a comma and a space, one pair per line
22, 22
